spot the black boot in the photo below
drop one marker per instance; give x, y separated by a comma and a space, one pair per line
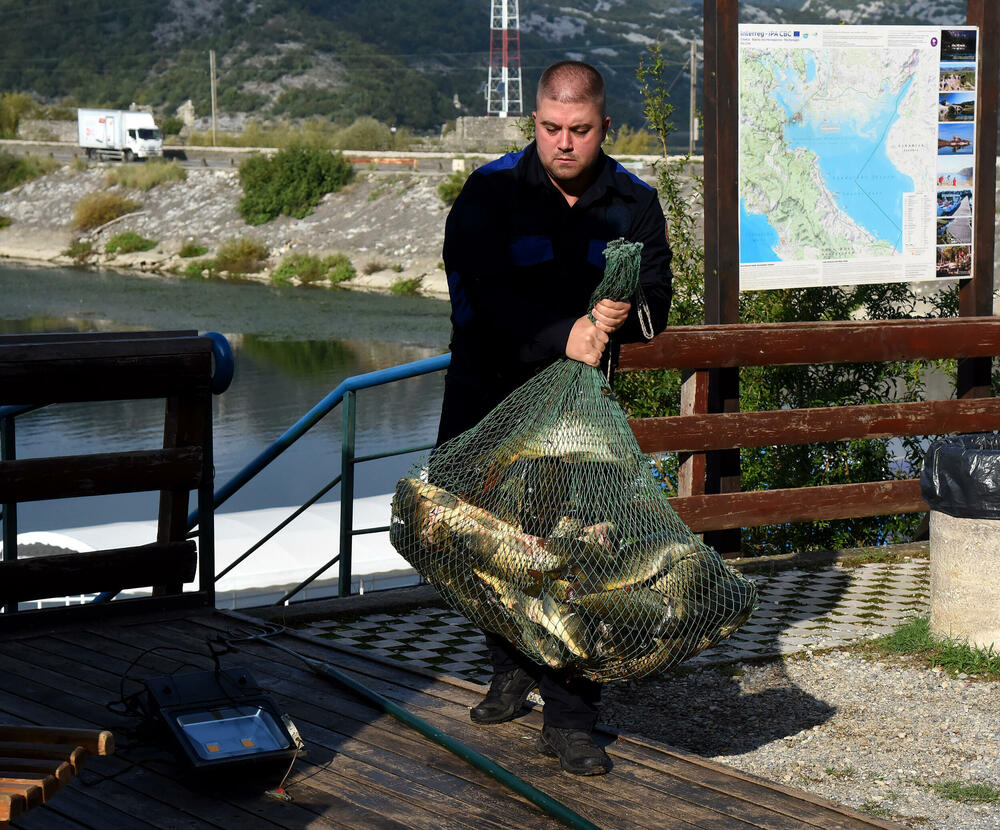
576, 751
508, 691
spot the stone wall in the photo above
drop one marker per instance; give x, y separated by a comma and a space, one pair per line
484, 135
35, 129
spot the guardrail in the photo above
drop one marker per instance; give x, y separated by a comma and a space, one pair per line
345, 392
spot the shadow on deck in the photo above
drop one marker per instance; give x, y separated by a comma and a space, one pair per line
362, 767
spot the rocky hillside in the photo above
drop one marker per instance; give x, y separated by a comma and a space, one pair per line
408, 63
390, 224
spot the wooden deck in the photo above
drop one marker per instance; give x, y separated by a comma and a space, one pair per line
363, 768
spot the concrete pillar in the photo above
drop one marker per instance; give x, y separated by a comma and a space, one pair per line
965, 579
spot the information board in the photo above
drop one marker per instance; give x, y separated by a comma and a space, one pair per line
856, 154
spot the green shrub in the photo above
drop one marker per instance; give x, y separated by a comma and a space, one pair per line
96, 209
339, 268
129, 242
146, 176
190, 249
80, 251
366, 133
5, 222
406, 288
172, 125
292, 182
15, 170
449, 189
13, 106
241, 256
373, 266
198, 267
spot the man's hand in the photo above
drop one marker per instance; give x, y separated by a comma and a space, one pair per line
586, 342
609, 315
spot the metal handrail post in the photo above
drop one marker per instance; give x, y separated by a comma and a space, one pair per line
347, 492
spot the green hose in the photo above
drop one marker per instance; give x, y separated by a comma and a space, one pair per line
537, 797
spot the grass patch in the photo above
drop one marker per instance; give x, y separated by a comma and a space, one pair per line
96, 209
190, 249
373, 266
197, 268
308, 269
841, 772
129, 242
406, 288
80, 251
967, 793
914, 638
873, 808
15, 170
5, 222
241, 256
146, 176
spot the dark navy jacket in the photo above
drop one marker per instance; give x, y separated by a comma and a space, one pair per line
522, 265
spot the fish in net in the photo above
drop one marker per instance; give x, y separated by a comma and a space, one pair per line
544, 524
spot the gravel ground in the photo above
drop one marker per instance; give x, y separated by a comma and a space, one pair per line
872, 735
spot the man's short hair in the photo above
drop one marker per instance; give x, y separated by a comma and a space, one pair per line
572, 82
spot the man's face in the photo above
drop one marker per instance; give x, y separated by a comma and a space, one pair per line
568, 137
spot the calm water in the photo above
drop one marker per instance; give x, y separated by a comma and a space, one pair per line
292, 346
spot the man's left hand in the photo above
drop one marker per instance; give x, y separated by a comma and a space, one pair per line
610, 315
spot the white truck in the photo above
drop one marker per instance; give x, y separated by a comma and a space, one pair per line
119, 134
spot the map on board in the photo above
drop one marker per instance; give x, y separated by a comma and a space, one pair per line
845, 134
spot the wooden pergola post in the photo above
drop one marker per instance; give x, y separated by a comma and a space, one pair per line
975, 298
722, 248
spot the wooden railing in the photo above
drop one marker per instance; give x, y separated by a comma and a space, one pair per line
55, 368
696, 431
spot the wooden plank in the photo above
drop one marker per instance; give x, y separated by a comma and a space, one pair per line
31, 794
96, 336
691, 433
84, 573
96, 474
12, 804
49, 783
62, 771
121, 378
691, 466
775, 344
94, 741
803, 504
51, 753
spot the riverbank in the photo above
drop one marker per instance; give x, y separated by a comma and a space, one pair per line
390, 225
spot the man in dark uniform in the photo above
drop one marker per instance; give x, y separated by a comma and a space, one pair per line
523, 251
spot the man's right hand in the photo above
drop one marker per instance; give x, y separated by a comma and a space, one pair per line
586, 342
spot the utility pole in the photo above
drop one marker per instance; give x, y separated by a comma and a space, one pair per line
211, 64
694, 101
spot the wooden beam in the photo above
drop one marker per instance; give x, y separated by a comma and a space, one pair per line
779, 344
717, 431
803, 504
34, 479
94, 741
67, 574
103, 370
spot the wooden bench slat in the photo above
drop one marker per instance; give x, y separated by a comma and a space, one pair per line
49, 783
94, 741
40, 577
74, 755
13, 802
722, 511
33, 479
728, 430
776, 344
61, 770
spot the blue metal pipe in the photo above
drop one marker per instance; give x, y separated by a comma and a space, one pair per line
307, 421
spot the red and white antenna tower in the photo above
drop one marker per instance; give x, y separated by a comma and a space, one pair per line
503, 84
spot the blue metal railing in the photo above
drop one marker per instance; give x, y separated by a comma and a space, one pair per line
345, 392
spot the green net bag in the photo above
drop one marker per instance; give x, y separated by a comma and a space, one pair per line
544, 524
